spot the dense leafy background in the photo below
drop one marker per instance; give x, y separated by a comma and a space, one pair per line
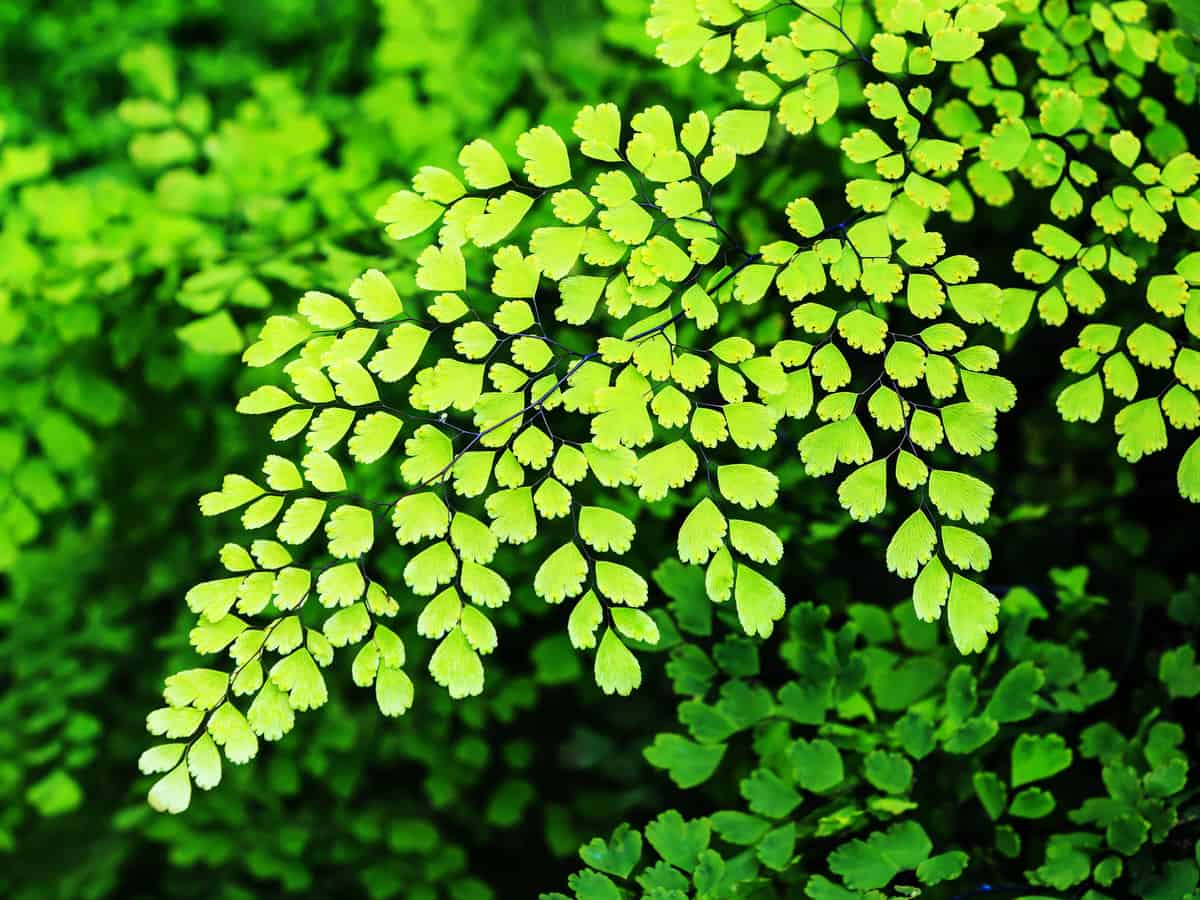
172, 172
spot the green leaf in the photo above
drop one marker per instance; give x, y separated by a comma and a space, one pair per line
682, 198
1120, 377
516, 275
270, 715
325, 311
483, 165
173, 792
1151, 346
768, 794
437, 184
890, 51
844, 441
605, 529
746, 485
1015, 696
702, 533
297, 674
943, 867
571, 206
232, 732
889, 772
440, 615
1060, 111
408, 214
627, 223
393, 691
545, 155
863, 493
1125, 147
456, 666
618, 855
620, 584
741, 130
910, 471
736, 827
930, 590
1167, 779
992, 793
1007, 145
204, 763
965, 549
954, 44
405, 344
561, 574
236, 491
375, 297
351, 531
960, 496
1127, 833
669, 467
871, 864
599, 128
687, 763
760, 603
993, 391
972, 614
479, 630
1141, 428
755, 541
817, 765
911, 546
804, 217
1179, 673
694, 133
589, 885
279, 335
821, 888
441, 269
635, 625
1035, 757
1032, 803
617, 670
1082, 401
1181, 407
585, 618
678, 841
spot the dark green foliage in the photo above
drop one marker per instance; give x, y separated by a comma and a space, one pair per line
1024, 767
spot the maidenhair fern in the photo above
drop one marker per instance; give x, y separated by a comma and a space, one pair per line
513, 409
592, 330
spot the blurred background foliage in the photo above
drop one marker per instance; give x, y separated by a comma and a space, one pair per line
171, 172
